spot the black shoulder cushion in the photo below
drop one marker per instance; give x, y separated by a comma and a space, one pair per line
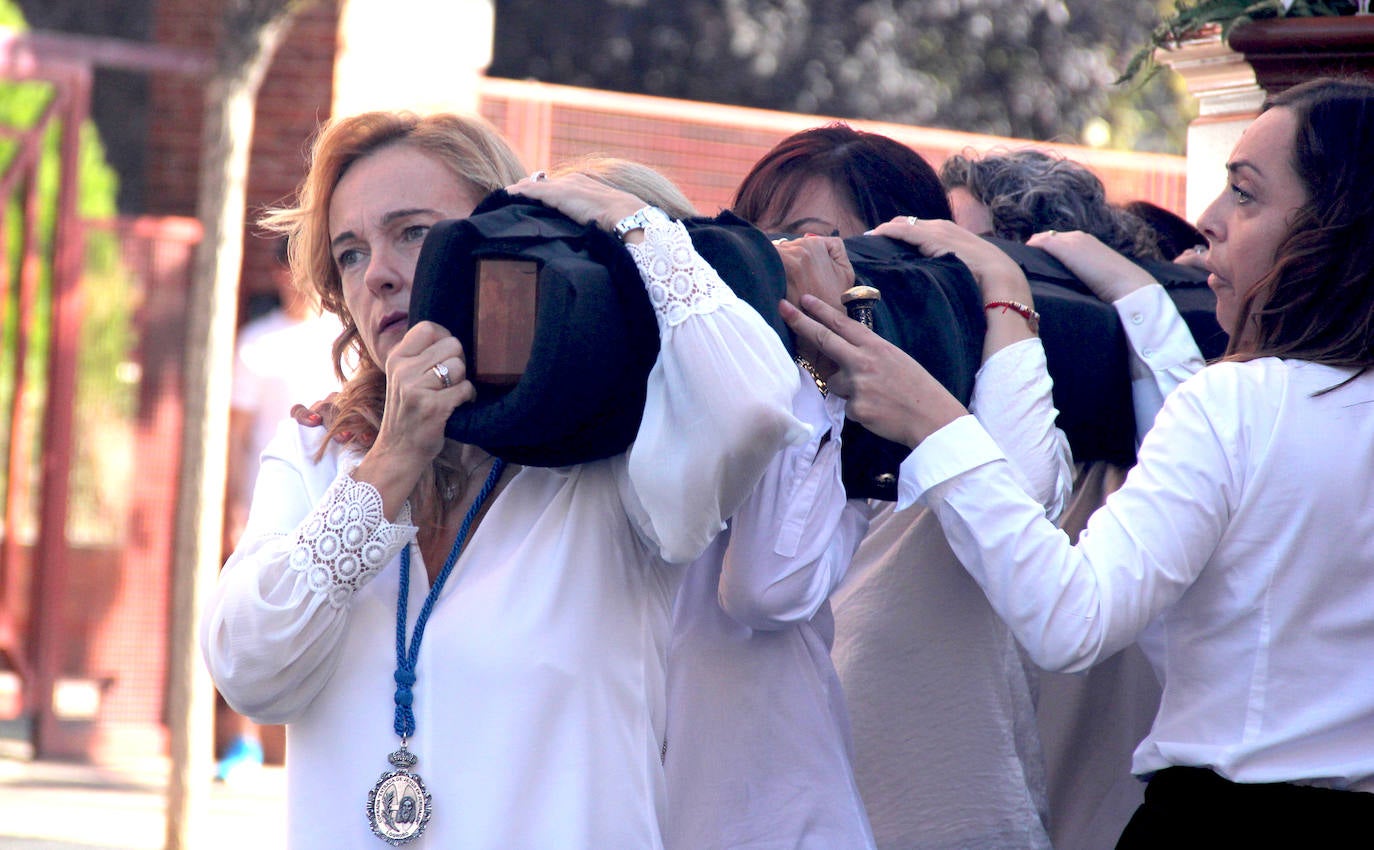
582, 393
1087, 352
1085, 347
596, 338
930, 309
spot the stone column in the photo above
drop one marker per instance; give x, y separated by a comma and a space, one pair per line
1228, 97
422, 55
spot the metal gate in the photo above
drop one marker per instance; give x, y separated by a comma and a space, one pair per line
83, 614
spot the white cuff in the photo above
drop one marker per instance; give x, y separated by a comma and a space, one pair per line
954, 449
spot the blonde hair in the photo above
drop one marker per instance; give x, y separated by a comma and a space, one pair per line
467, 145
634, 177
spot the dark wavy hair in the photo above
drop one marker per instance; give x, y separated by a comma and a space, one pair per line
880, 177
1028, 191
1317, 303
1174, 232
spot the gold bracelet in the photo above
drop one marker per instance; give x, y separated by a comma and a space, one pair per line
815, 376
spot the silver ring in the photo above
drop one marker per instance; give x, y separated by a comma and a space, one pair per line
1199, 249
539, 175
911, 220
441, 372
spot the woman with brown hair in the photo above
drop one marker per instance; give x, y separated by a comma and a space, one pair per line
944, 747
1246, 529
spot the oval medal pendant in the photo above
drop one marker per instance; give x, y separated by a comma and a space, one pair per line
399, 805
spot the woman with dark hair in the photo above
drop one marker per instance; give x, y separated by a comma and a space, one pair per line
837, 181
944, 746
1178, 240
1246, 529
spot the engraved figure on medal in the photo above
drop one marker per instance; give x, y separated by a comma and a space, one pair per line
399, 805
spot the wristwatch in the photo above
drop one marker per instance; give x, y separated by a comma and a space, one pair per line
638, 220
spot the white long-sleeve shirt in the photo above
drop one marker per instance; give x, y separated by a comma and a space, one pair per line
539, 703
1163, 351
1246, 527
758, 737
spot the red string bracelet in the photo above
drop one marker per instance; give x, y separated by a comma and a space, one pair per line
1032, 318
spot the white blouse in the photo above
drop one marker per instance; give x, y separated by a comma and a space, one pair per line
1246, 527
758, 738
539, 703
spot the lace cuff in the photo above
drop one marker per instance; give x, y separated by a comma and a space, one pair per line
680, 283
348, 540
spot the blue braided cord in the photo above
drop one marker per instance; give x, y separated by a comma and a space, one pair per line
405, 661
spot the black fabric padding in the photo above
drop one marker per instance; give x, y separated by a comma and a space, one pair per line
582, 395
929, 308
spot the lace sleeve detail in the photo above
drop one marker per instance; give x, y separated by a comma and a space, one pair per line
680, 283
348, 540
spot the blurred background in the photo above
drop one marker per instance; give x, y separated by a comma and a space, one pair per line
107, 168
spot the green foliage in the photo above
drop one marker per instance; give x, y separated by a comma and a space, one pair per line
108, 301
1034, 70
1188, 19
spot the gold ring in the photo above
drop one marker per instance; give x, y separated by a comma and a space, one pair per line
441, 372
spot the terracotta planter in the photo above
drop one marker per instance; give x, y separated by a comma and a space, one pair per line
1288, 51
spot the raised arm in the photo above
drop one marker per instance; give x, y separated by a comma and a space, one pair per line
1164, 353
1012, 393
719, 401
1069, 606
792, 540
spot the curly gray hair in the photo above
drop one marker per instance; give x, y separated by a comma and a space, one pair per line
1028, 191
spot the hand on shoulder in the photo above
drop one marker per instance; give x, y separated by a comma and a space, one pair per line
1109, 274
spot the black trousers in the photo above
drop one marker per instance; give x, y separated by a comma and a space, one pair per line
1192, 807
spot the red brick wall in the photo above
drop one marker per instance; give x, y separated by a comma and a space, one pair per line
294, 98
707, 148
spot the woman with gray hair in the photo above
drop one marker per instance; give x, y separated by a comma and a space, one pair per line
1088, 722
1018, 193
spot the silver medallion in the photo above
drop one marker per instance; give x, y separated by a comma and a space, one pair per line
398, 806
